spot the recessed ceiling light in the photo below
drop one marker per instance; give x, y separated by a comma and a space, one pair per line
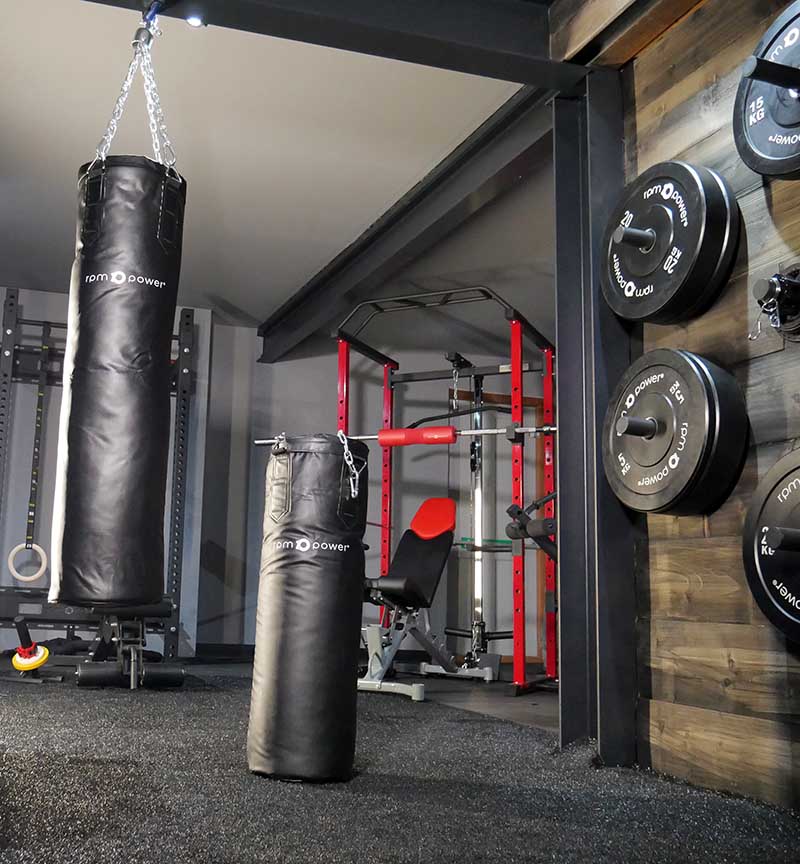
194, 21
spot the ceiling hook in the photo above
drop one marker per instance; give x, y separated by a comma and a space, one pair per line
151, 10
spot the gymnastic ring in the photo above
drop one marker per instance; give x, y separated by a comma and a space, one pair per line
42, 565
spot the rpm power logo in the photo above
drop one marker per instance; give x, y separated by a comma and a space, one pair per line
120, 277
310, 547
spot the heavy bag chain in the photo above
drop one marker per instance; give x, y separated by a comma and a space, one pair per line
163, 150
355, 474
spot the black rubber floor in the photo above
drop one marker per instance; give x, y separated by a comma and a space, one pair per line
107, 776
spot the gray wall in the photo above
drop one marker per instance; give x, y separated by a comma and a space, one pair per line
13, 513
223, 553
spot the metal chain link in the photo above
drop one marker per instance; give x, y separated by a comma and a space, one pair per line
155, 112
355, 474
163, 150
454, 405
108, 136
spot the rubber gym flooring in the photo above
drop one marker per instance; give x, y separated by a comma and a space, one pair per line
104, 775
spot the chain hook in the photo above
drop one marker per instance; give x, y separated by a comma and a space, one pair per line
752, 336
152, 11
355, 474
772, 312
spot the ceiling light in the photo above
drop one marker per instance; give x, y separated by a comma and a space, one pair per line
194, 21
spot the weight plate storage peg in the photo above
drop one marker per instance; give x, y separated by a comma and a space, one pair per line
670, 244
771, 545
779, 300
675, 434
766, 113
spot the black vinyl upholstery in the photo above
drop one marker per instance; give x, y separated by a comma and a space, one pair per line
129, 613
416, 570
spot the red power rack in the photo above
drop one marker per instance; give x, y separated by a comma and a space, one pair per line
519, 328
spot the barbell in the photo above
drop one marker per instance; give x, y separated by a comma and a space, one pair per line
434, 435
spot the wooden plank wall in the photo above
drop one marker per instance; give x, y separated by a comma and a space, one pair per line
610, 32
574, 23
719, 686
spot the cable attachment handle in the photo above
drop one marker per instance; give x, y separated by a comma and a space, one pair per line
163, 151
355, 474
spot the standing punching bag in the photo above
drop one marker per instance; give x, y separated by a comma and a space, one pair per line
113, 449
303, 705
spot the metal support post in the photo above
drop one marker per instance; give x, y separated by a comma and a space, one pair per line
596, 593
386, 472
518, 498
476, 471
551, 608
9, 340
343, 404
185, 366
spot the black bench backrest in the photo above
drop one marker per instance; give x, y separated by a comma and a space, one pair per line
418, 564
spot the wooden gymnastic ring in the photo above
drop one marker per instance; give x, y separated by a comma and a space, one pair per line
42, 566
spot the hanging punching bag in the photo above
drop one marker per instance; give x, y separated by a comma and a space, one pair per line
108, 514
308, 626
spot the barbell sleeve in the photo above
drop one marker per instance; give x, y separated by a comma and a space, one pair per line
642, 238
778, 74
783, 539
641, 427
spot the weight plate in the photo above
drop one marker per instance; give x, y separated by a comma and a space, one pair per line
728, 442
774, 575
724, 220
652, 474
693, 220
688, 465
766, 118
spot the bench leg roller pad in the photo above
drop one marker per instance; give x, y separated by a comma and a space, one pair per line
303, 706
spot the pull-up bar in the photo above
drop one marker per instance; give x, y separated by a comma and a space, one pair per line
434, 435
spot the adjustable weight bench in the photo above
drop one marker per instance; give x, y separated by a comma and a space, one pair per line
407, 592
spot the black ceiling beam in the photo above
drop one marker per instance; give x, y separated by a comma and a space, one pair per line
505, 39
506, 149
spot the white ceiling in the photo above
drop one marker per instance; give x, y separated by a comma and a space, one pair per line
290, 150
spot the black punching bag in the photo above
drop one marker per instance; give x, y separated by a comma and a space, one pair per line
303, 705
108, 514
